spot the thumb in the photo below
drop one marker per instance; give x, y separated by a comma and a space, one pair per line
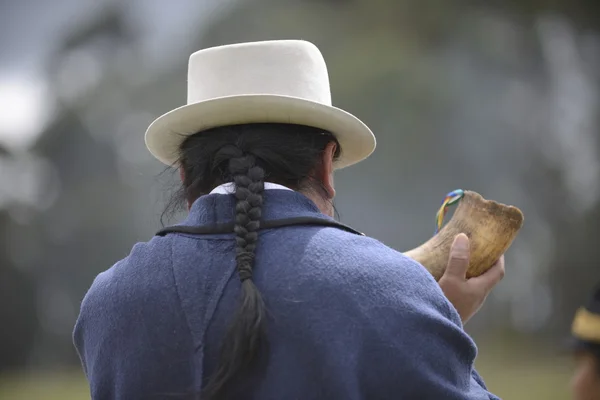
459, 257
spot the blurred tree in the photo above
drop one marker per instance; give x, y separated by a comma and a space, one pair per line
18, 316
18, 312
82, 231
585, 13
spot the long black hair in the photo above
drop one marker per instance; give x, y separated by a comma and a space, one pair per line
248, 155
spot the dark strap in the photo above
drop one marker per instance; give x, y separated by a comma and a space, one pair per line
269, 224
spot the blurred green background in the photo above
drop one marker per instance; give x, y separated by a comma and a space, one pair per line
500, 97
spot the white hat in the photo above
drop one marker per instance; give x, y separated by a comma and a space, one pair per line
281, 81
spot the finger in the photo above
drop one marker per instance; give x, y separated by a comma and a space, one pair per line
492, 276
458, 262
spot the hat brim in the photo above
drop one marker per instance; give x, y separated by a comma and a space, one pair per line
165, 135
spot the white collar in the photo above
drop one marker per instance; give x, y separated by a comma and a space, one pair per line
228, 188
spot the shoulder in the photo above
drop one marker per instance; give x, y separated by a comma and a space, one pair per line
366, 256
366, 269
125, 293
145, 267
132, 316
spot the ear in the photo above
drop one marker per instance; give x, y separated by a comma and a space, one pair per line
327, 168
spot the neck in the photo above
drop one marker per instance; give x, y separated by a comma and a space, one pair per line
324, 205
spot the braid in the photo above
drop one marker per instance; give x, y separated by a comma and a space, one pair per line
247, 333
249, 187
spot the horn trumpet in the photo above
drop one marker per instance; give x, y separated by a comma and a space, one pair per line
490, 226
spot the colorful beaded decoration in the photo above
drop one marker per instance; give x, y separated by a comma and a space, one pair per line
451, 198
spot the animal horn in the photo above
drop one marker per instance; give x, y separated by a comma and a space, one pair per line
490, 226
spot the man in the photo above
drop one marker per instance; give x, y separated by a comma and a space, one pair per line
585, 331
261, 294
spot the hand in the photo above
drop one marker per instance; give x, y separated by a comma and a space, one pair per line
467, 295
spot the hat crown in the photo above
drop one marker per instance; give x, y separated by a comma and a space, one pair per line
294, 68
278, 81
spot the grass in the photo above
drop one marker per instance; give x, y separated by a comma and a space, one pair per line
512, 369
54, 385
520, 370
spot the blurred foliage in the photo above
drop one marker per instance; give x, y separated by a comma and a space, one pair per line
19, 297
459, 94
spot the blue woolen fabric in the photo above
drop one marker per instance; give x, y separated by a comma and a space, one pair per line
349, 318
